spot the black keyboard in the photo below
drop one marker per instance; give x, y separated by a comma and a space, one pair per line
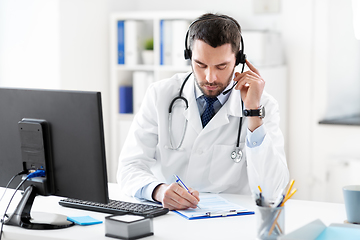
116, 207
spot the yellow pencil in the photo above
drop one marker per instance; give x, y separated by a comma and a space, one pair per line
290, 186
282, 204
288, 197
275, 222
260, 189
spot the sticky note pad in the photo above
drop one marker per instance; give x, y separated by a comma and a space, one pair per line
84, 220
337, 232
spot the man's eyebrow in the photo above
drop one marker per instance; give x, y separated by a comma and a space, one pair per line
199, 62
220, 64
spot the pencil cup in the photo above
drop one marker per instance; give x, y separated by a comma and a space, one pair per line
270, 222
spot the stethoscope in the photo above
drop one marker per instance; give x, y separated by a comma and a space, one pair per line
236, 155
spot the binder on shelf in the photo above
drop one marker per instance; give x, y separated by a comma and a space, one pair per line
165, 42
125, 99
121, 42
132, 42
141, 81
179, 28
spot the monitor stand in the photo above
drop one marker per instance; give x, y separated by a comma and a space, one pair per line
21, 217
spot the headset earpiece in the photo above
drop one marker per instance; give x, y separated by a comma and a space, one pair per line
240, 58
187, 54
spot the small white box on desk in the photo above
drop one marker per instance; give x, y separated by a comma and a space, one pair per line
263, 48
128, 226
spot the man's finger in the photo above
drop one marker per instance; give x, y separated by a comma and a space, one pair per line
252, 68
195, 194
183, 194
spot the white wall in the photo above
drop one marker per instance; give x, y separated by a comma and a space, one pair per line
84, 61
29, 43
297, 30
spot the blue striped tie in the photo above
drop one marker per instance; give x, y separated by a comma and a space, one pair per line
209, 110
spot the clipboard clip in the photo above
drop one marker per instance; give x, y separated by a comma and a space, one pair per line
221, 213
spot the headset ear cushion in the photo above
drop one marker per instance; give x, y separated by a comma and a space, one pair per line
240, 58
187, 53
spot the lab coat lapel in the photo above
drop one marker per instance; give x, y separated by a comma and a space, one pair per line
233, 105
192, 112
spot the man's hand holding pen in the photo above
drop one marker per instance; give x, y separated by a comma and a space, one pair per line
175, 197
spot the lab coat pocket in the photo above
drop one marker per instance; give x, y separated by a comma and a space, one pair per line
224, 170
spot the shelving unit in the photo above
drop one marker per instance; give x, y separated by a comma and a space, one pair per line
121, 74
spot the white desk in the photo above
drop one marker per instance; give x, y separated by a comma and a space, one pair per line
173, 226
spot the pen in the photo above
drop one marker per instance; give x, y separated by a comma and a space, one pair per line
260, 201
182, 184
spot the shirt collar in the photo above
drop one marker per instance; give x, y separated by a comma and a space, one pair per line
221, 97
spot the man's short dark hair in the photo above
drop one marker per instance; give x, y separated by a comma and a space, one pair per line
216, 30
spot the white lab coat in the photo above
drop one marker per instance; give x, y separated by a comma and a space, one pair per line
204, 161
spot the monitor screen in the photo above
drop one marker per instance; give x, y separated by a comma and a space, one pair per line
75, 123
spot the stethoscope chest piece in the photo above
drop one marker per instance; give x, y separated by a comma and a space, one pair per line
236, 155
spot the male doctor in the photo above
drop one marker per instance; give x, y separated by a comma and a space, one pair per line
199, 145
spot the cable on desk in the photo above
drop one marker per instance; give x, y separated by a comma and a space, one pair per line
38, 173
8, 184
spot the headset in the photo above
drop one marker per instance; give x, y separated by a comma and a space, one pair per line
240, 56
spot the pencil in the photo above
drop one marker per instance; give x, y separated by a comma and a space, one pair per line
286, 198
289, 189
275, 221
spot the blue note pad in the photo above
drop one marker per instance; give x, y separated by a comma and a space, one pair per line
84, 220
338, 232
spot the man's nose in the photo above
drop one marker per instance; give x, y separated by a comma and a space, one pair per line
210, 75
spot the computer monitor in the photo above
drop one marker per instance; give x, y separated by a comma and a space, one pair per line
73, 133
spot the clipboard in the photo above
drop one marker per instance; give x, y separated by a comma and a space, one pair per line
213, 206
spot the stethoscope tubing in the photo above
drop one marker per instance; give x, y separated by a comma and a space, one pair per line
180, 97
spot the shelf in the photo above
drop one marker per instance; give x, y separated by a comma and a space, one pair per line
125, 116
135, 67
174, 68
350, 121
154, 68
